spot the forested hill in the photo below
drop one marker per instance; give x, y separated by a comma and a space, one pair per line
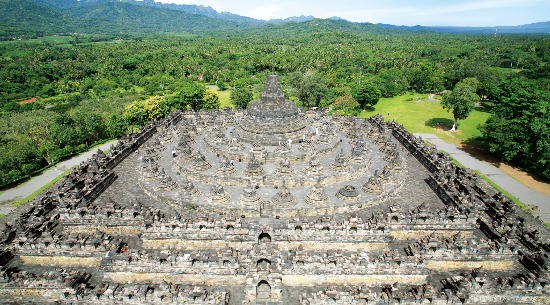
61, 94
130, 18
189, 8
25, 17
533, 28
31, 18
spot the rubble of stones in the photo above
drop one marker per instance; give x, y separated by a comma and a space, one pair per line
223, 231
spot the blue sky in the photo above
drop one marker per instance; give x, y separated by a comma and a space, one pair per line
398, 12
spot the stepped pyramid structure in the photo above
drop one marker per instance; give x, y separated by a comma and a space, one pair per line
272, 205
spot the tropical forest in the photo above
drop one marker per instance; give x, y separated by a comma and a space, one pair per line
68, 84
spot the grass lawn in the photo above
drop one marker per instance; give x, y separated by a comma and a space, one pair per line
418, 115
52, 39
225, 97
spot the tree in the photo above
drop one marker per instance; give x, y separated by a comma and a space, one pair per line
241, 97
11, 107
211, 101
63, 131
424, 79
193, 95
116, 126
519, 129
366, 94
189, 94
392, 82
141, 112
461, 100
90, 127
346, 105
310, 88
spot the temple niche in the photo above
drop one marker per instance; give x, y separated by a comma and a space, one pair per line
273, 205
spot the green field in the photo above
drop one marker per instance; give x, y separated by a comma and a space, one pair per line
419, 115
225, 97
51, 39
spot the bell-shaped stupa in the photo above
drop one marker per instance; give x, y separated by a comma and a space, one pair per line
272, 118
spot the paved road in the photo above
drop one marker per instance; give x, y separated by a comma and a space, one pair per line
511, 185
37, 182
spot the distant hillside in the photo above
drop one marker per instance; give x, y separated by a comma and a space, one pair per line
293, 19
114, 17
192, 9
319, 28
23, 18
124, 17
63, 4
533, 28
31, 18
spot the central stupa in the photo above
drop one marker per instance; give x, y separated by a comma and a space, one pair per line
272, 118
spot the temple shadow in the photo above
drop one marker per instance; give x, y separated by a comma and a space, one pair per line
440, 123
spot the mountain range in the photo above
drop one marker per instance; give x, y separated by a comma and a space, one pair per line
22, 18
533, 28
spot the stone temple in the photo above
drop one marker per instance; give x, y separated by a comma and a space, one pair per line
272, 205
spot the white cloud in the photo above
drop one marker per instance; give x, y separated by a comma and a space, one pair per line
265, 11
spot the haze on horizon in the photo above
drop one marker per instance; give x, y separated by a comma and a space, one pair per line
396, 12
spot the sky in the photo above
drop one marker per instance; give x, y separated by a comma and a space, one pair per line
397, 12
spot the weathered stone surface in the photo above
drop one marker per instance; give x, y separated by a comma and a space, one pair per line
299, 208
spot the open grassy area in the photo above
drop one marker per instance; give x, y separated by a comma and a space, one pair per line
51, 39
33, 195
225, 97
417, 114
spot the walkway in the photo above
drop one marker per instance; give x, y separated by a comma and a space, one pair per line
31, 186
432, 98
511, 185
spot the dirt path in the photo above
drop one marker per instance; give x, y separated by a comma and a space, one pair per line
432, 98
